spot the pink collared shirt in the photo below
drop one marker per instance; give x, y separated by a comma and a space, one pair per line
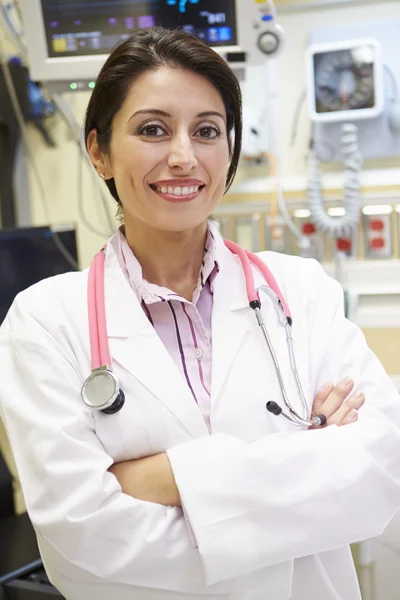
184, 327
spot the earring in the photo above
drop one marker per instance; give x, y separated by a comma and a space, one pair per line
102, 176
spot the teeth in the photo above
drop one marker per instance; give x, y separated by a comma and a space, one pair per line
178, 191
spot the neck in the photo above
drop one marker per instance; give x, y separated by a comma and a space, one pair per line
169, 259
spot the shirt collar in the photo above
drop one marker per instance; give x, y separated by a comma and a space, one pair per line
151, 293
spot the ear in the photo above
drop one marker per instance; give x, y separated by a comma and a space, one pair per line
99, 159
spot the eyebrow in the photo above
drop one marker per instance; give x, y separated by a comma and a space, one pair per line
162, 113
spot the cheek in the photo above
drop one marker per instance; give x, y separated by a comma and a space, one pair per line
218, 164
129, 160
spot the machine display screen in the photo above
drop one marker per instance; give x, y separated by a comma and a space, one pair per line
76, 28
344, 79
28, 255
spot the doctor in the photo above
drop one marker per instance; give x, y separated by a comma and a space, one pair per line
193, 489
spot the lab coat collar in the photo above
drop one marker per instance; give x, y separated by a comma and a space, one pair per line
124, 313
228, 286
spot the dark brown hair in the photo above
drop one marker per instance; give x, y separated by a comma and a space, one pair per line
148, 50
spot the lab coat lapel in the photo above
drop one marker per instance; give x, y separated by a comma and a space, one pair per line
136, 347
231, 316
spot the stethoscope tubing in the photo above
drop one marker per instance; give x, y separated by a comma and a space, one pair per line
277, 367
100, 353
104, 351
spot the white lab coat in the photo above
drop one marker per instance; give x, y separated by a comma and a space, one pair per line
273, 508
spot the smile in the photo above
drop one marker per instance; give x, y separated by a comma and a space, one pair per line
178, 193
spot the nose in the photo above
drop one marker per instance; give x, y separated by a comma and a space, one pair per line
182, 153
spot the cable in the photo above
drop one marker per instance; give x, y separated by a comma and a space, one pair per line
16, 35
273, 142
338, 226
296, 116
76, 131
20, 119
393, 81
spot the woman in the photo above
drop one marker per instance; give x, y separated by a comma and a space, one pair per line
192, 489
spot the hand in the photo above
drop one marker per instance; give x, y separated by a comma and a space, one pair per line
334, 403
150, 479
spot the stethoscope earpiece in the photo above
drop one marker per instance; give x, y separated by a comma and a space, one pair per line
116, 405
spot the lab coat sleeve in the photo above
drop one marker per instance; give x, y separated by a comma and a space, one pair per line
92, 531
299, 493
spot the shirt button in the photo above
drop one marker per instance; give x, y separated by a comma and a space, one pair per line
198, 353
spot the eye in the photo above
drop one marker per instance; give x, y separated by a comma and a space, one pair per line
152, 130
209, 132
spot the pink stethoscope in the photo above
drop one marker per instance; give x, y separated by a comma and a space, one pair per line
101, 390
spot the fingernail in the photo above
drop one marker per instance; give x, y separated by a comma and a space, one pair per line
353, 415
360, 395
345, 382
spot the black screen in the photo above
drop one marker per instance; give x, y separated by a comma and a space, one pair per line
28, 255
76, 28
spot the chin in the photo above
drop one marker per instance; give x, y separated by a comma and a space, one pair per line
182, 223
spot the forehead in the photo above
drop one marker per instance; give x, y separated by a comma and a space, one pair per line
176, 91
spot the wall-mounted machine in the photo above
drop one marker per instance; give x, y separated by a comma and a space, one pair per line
68, 42
345, 80
353, 76
354, 107
345, 84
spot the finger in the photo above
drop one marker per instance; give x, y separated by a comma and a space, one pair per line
321, 396
337, 397
352, 417
355, 402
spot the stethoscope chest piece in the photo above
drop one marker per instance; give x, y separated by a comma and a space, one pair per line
101, 391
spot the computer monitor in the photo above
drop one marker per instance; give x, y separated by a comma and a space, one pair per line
69, 40
29, 254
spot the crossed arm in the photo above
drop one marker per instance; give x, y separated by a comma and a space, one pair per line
151, 479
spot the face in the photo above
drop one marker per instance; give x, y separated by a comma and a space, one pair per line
169, 151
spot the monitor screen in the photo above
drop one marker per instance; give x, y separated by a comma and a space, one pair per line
28, 255
76, 28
